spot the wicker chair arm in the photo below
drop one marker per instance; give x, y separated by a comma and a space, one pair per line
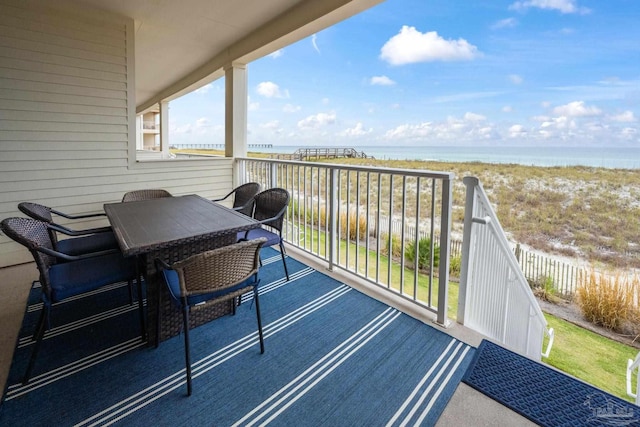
69, 232
69, 216
68, 257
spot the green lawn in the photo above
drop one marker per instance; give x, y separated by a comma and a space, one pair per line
593, 358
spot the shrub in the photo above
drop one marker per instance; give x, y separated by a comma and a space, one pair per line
455, 263
395, 245
424, 253
357, 225
609, 300
544, 288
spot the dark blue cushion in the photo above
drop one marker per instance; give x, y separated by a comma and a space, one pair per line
256, 233
173, 282
86, 244
75, 277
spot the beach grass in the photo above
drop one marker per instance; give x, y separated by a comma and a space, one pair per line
587, 213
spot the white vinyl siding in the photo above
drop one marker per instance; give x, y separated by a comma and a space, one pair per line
67, 118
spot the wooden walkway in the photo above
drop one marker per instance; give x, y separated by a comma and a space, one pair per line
322, 153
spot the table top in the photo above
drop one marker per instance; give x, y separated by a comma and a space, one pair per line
148, 225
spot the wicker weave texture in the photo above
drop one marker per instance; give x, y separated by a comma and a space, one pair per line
220, 268
271, 203
243, 197
133, 196
32, 234
170, 316
36, 211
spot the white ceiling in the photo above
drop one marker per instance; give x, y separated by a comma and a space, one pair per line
180, 44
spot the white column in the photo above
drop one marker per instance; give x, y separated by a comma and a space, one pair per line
235, 139
164, 129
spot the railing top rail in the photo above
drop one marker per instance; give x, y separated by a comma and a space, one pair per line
449, 176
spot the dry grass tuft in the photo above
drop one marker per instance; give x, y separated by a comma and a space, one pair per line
610, 300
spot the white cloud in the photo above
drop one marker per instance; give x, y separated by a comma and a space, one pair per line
325, 101
515, 79
517, 131
625, 117
271, 90
317, 121
204, 89
576, 109
314, 42
505, 23
563, 6
277, 54
202, 122
507, 109
628, 133
272, 125
290, 108
411, 46
472, 127
381, 81
472, 117
357, 130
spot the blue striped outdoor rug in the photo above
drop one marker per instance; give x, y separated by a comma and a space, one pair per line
542, 394
333, 356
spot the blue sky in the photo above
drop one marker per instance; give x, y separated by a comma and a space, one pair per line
441, 72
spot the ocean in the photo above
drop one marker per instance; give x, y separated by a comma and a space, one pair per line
605, 157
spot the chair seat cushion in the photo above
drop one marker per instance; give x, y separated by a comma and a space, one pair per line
256, 233
173, 282
87, 244
76, 277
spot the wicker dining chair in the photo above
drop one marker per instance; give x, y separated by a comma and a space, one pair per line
211, 277
136, 195
80, 241
243, 197
64, 280
270, 208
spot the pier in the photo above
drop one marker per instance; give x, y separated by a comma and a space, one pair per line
322, 153
217, 146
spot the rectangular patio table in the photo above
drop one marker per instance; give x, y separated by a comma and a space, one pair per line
172, 229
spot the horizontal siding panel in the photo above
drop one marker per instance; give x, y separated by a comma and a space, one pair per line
44, 180
61, 70
41, 116
57, 127
109, 192
55, 40
60, 136
62, 108
64, 26
28, 75
70, 155
62, 51
32, 165
8, 146
60, 60
51, 93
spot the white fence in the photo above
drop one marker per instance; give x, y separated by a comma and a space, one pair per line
495, 298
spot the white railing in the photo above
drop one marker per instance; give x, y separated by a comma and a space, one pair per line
495, 298
336, 213
633, 365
